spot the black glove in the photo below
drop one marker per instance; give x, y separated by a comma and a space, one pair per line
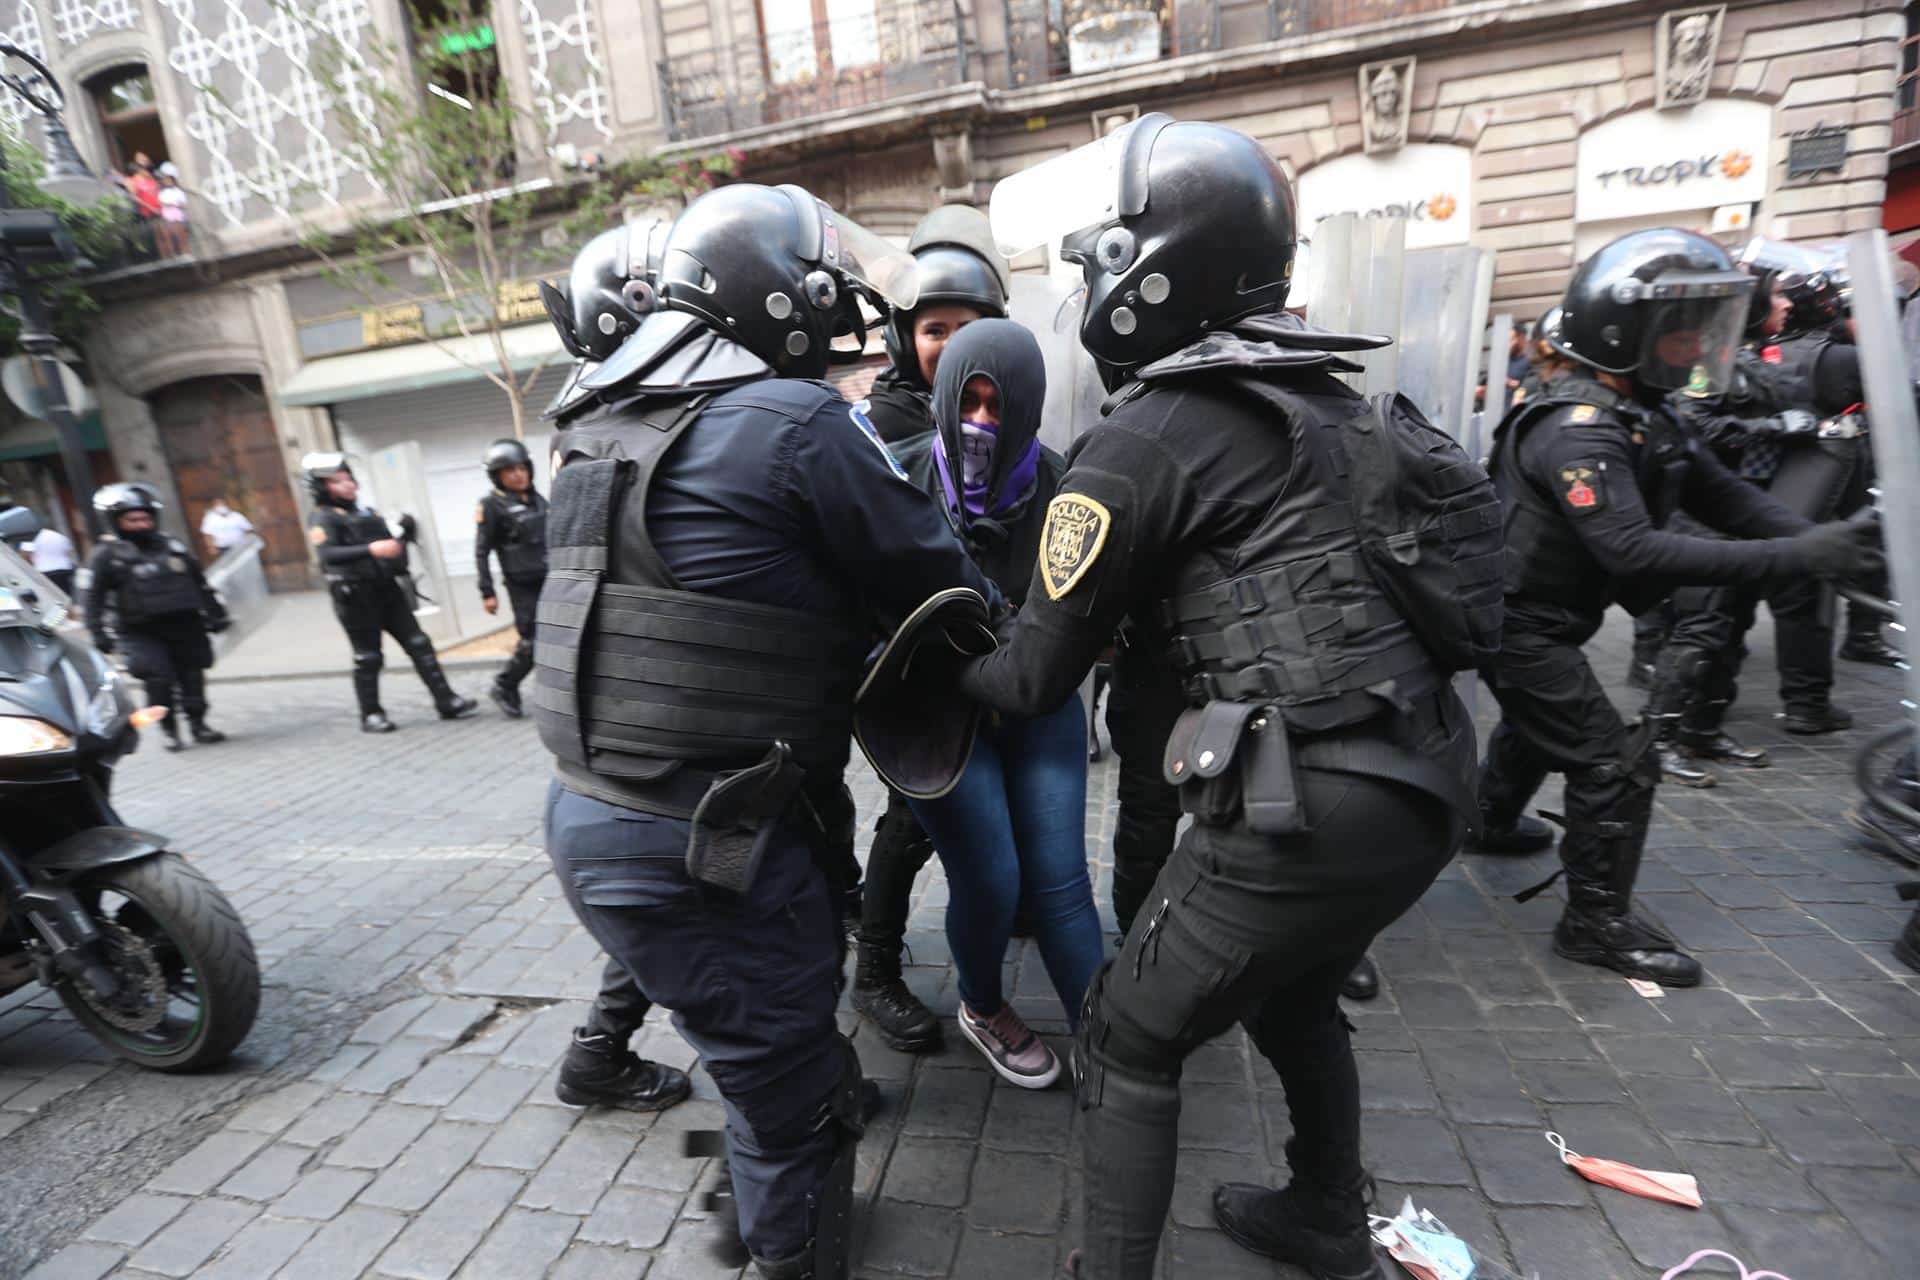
1790, 423
1838, 549
216, 623
103, 642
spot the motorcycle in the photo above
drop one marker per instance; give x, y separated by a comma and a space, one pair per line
141, 947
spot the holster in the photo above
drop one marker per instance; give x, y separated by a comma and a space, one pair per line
1203, 751
735, 821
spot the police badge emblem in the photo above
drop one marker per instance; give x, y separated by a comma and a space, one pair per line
1075, 532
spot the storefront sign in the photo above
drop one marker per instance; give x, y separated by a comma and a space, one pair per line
518, 302
1821, 149
1651, 162
389, 326
1429, 184
515, 302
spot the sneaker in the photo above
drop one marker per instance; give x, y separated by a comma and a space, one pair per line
1011, 1048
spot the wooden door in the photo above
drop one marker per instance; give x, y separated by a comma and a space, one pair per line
219, 439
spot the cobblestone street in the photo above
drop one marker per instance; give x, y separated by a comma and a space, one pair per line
393, 1113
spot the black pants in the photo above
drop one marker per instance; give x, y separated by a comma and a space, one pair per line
1258, 930
368, 608
1140, 715
899, 850
524, 597
620, 1007
1864, 622
170, 657
751, 983
63, 579
1555, 717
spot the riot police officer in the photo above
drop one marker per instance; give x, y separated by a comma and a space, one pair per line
962, 278
511, 522
1590, 474
366, 568
724, 530
1327, 766
149, 598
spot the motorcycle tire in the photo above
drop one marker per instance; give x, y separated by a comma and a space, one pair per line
1887, 815
197, 941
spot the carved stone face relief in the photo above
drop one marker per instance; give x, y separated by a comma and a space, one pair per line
1684, 45
1386, 103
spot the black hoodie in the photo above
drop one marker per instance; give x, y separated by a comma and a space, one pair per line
1006, 546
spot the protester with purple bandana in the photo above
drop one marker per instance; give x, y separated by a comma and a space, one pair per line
1015, 826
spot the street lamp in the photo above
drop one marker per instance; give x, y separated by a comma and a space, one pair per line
35, 236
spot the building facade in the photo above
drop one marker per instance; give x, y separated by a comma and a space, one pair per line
1534, 128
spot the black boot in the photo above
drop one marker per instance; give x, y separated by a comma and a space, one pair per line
1678, 766
204, 733
1677, 681
1363, 983
449, 704
507, 699
881, 995
1525, 836
1321, 1228
171, 728
599, 1072
1906, 948
1812, 718
1870, 646
1702, 738
376, 722
1598, 929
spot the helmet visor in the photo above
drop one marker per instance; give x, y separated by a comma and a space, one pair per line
1058, 197
1689, 343
868, 260
324, 464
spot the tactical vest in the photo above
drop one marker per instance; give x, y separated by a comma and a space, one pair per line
1794, 373
635, 675
357, 528
153, 582
1546, 559
1300, 622
523, 548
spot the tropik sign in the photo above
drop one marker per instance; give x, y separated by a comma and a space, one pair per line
1651, 162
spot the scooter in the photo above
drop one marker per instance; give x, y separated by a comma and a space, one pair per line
141, 947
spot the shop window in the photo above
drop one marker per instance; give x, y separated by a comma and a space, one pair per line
458, 57
129, 117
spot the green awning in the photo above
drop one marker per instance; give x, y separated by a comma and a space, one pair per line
418, 366
34, 438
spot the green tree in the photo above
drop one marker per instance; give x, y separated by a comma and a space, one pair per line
444, 143
102, 232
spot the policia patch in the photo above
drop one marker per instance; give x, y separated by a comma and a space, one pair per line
1582, 487
1076, 530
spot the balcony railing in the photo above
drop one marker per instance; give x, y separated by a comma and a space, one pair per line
1056, 39
894, 48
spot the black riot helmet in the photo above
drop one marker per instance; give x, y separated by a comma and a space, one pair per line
1179, 229
781, 274
609, 288
115, 500
955, 261
1663, 308
317, 468
505, 453
1760, 306
1813, 279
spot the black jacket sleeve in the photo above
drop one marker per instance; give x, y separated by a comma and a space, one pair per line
329, 551
873, 523
1590, 470
483, 517
1112, 527
103, 577
1717, 497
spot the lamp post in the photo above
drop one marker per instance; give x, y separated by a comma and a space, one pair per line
36, 236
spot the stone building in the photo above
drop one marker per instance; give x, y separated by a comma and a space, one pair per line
1536, 128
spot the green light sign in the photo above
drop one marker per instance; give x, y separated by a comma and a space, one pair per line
474, 41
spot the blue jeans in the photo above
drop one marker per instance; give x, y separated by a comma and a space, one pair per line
1016, 827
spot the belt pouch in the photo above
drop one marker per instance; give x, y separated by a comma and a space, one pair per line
735, 820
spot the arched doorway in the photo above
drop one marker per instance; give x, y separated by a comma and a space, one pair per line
220, 441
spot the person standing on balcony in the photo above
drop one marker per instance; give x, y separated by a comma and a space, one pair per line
170, 233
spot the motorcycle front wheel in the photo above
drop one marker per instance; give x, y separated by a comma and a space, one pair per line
189, 983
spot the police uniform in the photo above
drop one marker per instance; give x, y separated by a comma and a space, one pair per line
149, 591
513, 526
899, 407
1589, 480
717, 559
371, 596
1144, 701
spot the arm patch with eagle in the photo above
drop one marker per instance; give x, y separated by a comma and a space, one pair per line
1075, 533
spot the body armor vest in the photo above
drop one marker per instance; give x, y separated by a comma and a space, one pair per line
1546, 559
357, 528
522, 531
1298, 621
635, 675
1793, 374
153, 582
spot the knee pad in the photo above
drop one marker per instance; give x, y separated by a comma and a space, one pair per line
417, 645
369, 660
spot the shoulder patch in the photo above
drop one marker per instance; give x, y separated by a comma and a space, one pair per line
480, 511
1075, 532
1583, 485
317, 535
858, 413
1583, 413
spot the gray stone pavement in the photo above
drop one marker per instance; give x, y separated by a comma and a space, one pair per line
393, 1115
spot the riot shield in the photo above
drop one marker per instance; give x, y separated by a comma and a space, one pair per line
1894, 423
1444, 305
1048, 306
